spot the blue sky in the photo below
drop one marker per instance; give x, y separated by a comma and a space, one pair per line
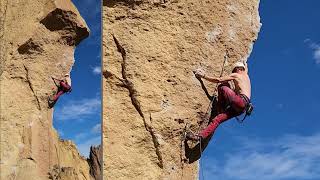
281, 140
77, 115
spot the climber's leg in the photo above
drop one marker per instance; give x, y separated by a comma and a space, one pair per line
64, 86
222, 100
190, 135
220, 118
229, 97
226, 96
56, 97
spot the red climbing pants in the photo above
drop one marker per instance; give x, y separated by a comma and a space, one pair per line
226, 97
64, 87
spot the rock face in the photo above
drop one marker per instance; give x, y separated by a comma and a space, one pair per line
38, 39
150, 94
95, 161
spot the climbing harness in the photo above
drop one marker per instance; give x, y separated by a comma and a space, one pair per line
248, 108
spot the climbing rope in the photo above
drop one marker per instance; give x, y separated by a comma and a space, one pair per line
54, 81
50, 116
201, 163
49, 137
209, 107
215, 90
221, 73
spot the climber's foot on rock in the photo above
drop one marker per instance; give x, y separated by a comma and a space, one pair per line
193, 137
51, 102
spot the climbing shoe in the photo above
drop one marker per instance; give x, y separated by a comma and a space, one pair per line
192, 136
51, 102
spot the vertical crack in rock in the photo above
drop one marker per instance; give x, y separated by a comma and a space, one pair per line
83, 175
31, 87
155, 142
58, 157
126, 83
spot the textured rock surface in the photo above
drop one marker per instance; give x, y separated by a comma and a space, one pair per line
95, 162
150, 93
38, 38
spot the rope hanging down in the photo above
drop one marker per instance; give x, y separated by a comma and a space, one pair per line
209, 107
221, 73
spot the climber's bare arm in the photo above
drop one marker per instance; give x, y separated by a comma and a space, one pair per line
56, 78
221, 79
211, 79
228, 78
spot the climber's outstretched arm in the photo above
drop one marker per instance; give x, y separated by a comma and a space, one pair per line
201, 74
221, 79
230, 77
55, 78
211, 79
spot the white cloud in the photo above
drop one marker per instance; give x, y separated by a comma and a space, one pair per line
96, 129
316, 55
61, 133
316, 49
77, 110
88, 138
289, 157
96, 70
80, 136
84, 147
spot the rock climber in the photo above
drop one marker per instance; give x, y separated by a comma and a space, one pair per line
64, 86
231, 103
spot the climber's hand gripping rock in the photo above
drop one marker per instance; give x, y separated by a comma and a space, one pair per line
199, 73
